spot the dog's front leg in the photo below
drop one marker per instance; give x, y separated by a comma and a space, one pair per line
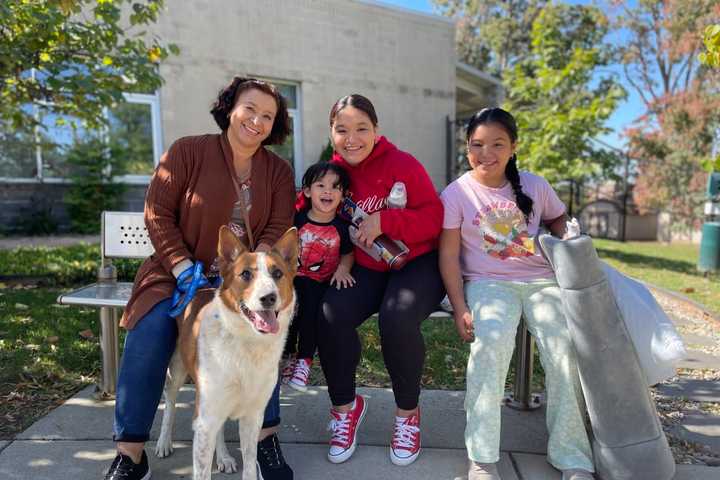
206, 428
225, 462
176, 376
249, 431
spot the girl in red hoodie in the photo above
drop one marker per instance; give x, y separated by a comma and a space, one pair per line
401, 298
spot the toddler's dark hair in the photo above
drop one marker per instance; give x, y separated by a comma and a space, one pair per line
318, 170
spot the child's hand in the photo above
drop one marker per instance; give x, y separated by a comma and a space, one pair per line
342, 278
464, 325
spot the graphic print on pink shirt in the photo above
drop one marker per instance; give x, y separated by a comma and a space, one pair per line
504, 231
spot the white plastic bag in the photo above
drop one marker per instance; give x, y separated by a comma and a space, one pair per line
657, 343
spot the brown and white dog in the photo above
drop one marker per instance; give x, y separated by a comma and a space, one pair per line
230, 342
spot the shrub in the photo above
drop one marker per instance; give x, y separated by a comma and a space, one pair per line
93, 167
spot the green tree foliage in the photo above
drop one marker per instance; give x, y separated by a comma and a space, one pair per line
92, 168
712, 44
674, 138
75, 57
559, 102
326, 153
492, 35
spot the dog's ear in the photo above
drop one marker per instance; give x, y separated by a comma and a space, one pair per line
287, 248
229, 246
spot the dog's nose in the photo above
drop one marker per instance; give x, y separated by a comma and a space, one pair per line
268, 301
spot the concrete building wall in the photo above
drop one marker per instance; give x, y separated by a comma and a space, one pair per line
403, 61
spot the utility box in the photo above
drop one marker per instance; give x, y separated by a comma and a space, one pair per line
713, 186
709, 260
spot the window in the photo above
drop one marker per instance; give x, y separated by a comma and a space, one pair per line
133, 136
291, 150
18, 156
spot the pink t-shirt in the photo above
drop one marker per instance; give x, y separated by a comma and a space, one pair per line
496, 242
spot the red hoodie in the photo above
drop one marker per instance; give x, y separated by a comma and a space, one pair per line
419, 223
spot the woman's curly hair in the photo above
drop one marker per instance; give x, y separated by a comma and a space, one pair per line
228, 97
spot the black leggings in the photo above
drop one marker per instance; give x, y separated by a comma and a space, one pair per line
302, 337
403, 299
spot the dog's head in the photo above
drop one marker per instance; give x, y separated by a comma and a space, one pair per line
259, 286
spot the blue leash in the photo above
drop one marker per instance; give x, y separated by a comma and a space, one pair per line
188, 282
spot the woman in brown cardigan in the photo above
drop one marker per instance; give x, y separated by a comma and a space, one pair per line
196, 188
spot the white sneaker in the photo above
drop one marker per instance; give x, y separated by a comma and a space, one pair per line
483, 471
301, 374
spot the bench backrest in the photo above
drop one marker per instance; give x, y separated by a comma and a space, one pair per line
124, 236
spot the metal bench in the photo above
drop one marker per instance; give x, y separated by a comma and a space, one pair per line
123, 235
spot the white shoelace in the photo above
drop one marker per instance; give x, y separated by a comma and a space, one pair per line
302, 371
404, 435
340, 428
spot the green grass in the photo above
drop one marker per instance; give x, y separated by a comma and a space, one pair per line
37, 371
60, 266
670, 266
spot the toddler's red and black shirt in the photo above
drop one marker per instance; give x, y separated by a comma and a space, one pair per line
321, 246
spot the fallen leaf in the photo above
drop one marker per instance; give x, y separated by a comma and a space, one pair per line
689, 290
86, 334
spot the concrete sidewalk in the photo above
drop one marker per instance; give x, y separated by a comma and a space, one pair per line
74, 441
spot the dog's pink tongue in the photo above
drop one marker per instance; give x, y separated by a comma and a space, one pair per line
266, 321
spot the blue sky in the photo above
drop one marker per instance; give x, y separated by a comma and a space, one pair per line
623, 116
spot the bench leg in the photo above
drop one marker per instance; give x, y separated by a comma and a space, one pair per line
110, 351
522, 398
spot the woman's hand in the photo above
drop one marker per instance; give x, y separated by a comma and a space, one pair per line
464, 325
342, 278
369, 229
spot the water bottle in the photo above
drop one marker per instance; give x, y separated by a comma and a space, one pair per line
398, 196
393, 252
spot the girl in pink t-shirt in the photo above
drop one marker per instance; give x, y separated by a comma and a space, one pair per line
494, 273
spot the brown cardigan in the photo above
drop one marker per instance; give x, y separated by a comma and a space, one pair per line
190, 196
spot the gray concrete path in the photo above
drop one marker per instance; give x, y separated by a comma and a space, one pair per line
74, 441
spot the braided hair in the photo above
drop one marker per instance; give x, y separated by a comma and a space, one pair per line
506, 121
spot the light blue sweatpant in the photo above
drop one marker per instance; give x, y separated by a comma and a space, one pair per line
496, 308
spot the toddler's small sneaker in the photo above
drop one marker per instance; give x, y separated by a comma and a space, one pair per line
287, 368
483, 471
301, 374
577, 474
405, 445
344, 430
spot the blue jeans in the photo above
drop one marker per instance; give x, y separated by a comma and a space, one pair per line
148, 349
